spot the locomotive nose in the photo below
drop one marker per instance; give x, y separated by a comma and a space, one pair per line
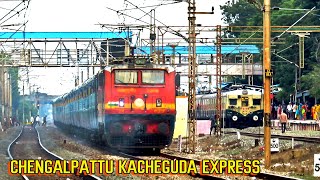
139, 129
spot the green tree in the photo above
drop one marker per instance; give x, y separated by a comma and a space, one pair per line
311, 81
14, 89
248, 13
26, 107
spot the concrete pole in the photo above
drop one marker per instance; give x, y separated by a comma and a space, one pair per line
267, 80
22, 103
9, 95
2, 90
108, 51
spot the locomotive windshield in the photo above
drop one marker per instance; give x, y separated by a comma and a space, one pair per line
126, 77
152, 77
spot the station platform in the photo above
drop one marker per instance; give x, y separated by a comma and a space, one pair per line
203, 126
298, 125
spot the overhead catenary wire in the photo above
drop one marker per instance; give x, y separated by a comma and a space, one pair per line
174, 31
150, 6
7, 9
12, 10
121, 13
277, 37
17, 13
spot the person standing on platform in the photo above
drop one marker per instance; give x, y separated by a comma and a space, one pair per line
279, 110
318, 112
294, 109
213, 124
283, 120
289, 110
313, 112
44, 120
299, 112
37, 120
304, 111
32, 120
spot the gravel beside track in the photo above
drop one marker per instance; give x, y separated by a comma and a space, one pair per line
69, 146
6, 137
75, 148
27, 147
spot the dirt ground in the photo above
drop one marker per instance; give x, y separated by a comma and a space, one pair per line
297, 162
6, 137
69, 146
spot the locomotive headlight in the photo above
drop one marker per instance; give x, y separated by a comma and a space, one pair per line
234, 118
255, 118
139, 102
121, 102
163, 128
158, 102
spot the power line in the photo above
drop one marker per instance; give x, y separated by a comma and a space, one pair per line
118, 12
277, 37
11, 10
17, 13
150, 6
174, 31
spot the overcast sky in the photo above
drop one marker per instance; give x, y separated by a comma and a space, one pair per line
81, 16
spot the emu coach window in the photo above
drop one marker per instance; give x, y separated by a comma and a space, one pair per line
256, 102
153, 77
126, 77
233, 101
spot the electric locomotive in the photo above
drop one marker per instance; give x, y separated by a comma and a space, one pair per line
126, 106
242, 107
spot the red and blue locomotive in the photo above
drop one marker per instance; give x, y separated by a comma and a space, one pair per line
128, 106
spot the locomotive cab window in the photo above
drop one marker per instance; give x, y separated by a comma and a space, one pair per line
153, 77
126, 77
233, 101
256, 102
244, 101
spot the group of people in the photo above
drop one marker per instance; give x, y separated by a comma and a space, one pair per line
294, 111
36, 120
297, 112
6, 123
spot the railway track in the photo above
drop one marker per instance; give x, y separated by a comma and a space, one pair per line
260, 175
285, 137
27, 145
195, 175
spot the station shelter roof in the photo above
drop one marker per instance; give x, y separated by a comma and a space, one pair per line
225, 49
64, 35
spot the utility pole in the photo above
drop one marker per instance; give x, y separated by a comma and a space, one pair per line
192, 71
9, 94
173, 57
2, 89
192, 76
23, 102
218, 80
301, 35
267, 80
152, 31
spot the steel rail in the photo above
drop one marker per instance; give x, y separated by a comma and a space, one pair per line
87, 177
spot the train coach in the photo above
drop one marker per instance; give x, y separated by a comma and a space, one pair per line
242, 107
126, 106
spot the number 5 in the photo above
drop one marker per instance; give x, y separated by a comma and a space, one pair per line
317, 167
